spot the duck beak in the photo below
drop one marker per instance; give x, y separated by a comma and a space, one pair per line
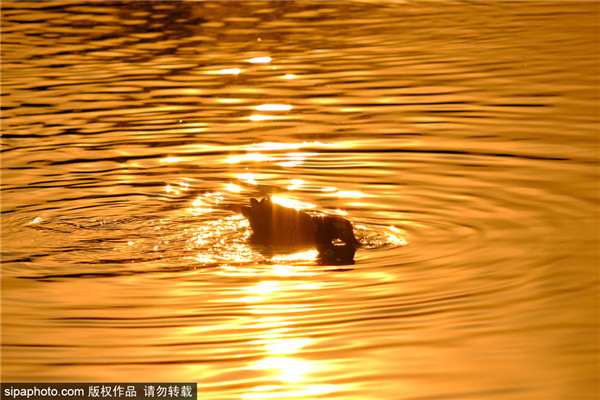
346, 233
351, 240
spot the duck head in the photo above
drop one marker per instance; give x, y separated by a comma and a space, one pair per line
331, 227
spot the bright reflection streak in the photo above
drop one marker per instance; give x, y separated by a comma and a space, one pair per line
259, 117
292, 159
249, 178
230, 101
247, 157
260, 60
354, 194
277, 341
309, 255
289, 76
287, 346
233, 188
231, 71
184, 185
264, 287
290, 163
290, 203
273, 107
339, 212
289, 369
207, 199
204, 259
200, 206
235, 159
296, 183
170, 160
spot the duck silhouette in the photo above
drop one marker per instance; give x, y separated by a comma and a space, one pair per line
276, 225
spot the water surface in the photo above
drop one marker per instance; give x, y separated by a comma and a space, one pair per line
461, 139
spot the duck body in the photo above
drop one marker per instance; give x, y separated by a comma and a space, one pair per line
276, 225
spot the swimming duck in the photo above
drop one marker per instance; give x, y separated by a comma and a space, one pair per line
273, 224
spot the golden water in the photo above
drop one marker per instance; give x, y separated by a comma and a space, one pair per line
461, 139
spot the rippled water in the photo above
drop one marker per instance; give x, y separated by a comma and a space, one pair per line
461, 139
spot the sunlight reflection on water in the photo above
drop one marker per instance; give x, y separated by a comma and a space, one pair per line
281, 345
